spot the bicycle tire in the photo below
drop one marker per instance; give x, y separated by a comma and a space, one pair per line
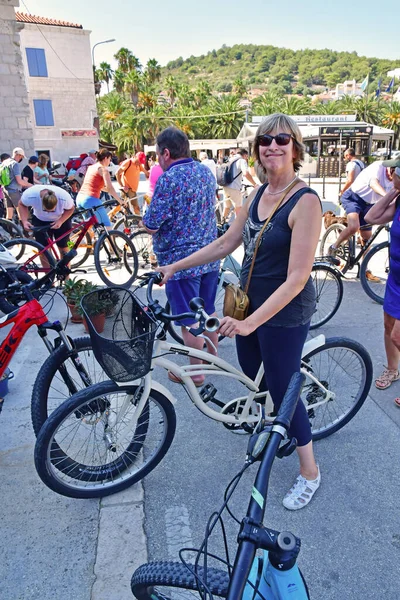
62, 375
143, 242
9, 230
32, 264
330, 236
344, 367
175, 576
128, 258
328, 286
174, 330
11, 301
84, 249
56, 458
372, 288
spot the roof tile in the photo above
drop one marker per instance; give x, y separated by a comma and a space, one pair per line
24, 18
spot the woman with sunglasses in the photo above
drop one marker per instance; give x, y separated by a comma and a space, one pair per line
281, 293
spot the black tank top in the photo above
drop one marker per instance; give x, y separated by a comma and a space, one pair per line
272, 261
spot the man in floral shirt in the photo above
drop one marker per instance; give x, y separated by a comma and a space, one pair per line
181, 217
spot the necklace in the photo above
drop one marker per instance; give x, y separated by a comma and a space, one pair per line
284, 189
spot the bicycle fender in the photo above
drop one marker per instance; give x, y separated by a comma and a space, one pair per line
158, 387
313, 344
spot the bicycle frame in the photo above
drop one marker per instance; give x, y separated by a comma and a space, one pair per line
356, 258
242, 409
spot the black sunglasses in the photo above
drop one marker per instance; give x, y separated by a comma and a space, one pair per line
282, 139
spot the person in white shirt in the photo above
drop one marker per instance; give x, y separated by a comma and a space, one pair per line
210, 164
52, 206
371, 184
353, 168
232, 192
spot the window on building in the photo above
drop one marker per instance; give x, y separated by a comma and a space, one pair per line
37, 66
43, 113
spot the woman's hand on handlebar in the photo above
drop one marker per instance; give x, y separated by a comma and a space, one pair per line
167, 272
230, 327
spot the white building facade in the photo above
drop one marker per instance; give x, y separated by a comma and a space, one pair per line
57, 63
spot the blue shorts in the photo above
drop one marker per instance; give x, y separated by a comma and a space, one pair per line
83, 201
181, 291
353, 203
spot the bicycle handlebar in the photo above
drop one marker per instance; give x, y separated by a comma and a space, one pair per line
207, 323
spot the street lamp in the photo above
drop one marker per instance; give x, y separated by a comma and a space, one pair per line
98, 43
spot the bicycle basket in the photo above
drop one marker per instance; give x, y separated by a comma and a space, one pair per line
124, 346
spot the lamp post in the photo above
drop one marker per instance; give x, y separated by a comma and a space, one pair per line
98, 43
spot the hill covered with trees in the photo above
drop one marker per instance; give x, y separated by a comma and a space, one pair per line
278, 69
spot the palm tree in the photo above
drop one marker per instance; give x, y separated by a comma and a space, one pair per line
123, 57
134, 63
185, 96
106, 73
119, 81
239, 88
266, 104
171, 87
111, 108
294, 106
153, 70
228, 119
329, 108
201, 95
147, 96
391, 119
133, 85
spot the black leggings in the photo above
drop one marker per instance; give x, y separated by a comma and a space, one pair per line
279, 348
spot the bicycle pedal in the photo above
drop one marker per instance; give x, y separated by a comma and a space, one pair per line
207, 394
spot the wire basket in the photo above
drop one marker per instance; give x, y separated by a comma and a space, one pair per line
124, 346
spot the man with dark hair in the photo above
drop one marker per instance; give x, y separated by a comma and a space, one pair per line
232, 191
353, 168
182, 220
28, 171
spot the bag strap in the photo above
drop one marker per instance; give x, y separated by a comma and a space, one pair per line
277, 205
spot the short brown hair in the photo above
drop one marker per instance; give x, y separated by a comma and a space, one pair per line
49, 200
43, 160
281, 123
102, 154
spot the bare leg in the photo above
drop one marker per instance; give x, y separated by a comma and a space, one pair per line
392, 341
308, 466
198, 343
353, 225
9, 213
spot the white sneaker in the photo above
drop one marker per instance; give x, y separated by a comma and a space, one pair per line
301, 492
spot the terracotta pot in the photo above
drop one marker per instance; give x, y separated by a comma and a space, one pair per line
75, 316
98, 322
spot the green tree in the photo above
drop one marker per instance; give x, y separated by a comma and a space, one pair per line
153, 70
239, 88
391, 119
228, 117
106, 73
171, 86
133, 85
266, 104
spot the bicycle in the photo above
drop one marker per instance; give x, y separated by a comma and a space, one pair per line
67, 356
115, 257
376, 260
273, 576
110, 435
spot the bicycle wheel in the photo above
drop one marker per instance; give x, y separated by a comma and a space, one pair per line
9, 230
62, 374
95, 444
330, 236
12, 300
143, 242
172, 581
27, 254
116, 259
175, 330
377, 262
84, 249
329, 293
343, 367
128, 224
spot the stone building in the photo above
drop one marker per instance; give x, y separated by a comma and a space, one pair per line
15, 118
57, 62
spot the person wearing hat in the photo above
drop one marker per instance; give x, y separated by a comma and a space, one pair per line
369, 186
385, 210
128, 176
12, 192
90, 159
28, 171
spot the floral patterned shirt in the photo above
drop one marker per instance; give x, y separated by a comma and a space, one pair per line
183, 213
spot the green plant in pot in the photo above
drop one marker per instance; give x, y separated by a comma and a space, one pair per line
72, 293
97, 306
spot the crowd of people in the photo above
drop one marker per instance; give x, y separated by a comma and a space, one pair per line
279, 222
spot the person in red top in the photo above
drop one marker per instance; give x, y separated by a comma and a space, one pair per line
128, 176
96, 179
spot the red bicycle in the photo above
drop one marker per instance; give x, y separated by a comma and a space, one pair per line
71, 365
115, 257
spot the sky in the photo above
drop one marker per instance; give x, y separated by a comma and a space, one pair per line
166, 30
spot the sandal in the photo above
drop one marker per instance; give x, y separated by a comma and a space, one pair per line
175, 379
397, 402
386, 379
301, 492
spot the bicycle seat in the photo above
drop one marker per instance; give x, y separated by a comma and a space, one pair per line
41, 228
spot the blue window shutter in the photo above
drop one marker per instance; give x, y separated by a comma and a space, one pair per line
32, 62
43, 113
41, 62
37, 66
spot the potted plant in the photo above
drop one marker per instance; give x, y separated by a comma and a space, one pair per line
72, 289
97, 306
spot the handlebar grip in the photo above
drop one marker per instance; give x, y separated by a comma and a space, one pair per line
196, 304
289, 402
